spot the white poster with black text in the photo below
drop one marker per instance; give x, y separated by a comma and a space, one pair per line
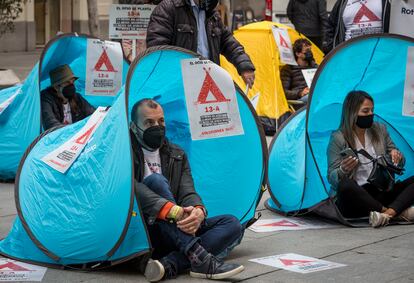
284, 44
402, 17
408, 101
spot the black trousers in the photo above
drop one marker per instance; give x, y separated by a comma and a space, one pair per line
357, 201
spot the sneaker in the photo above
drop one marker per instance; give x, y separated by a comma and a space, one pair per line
154, 271
377, 219
213, 268
407, 215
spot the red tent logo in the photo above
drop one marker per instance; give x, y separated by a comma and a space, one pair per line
289, 262
85, 137
283, 223
104, 60
12, 266
210, 86
364, 11
283, 41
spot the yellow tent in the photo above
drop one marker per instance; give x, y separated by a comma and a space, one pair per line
259, 43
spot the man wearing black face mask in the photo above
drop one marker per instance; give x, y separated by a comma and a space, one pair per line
292, 78
196, 25
182, 237
60, 103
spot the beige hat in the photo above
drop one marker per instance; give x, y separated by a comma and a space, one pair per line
61, 74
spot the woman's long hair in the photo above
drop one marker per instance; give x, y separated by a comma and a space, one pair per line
350, 109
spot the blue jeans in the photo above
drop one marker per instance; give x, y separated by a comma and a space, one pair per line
216, 234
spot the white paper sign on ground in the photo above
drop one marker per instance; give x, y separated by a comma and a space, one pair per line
297, 263
8, 101
284, 44
12, 270
408, 102
308, 74
280, 223
402, 17
104, 66
129, 21
211, 100
62, 158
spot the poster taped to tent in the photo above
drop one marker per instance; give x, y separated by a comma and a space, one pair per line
280, 223
408, 102
8, 101
285, 45
104, 66
297, 263
129, 21
308, 74
402, 17
12, 270
62, 158
211, 100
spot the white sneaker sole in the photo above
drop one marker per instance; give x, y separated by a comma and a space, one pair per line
154, 271
219, 276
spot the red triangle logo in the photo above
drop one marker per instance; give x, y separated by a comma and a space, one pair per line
365, 11
84, 138
283, 223
13, 266
209, 85
104, 60
283, 41
289, 262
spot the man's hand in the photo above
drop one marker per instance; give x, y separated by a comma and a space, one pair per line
396, 156
192, 222
304, 92
248, 78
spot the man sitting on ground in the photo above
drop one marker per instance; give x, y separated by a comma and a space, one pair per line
292, 78
182, 237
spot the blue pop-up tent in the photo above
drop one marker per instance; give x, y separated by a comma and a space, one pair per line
228, 171
298, 160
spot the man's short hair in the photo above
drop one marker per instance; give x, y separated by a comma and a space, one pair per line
299, 44
151, 103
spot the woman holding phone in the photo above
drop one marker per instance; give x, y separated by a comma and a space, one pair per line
349, 171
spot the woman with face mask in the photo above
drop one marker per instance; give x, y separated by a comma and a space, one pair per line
349, 170
61, 104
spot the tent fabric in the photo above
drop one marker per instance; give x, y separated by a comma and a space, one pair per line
19, 123
265, 56
381, 71
87, 215
229, 171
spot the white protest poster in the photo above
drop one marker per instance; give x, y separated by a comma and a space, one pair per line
62, 158
211, 100
402, 17
408, 101
280, 223
8, 101
104, 66
129, 21
12, 270
297, 263
308, 74
284, 44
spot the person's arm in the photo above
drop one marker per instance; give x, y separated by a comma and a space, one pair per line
331, 27
289, 11
390, 145
85, 107
323, 16
49, 120
335, 173
286, 78
160, 29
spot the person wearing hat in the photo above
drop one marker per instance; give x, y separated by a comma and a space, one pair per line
61, 104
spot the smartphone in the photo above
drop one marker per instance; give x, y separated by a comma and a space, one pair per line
348, 152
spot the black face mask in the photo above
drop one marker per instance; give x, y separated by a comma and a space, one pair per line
309, 56
152, 138
69, 91
208, 5
365, 122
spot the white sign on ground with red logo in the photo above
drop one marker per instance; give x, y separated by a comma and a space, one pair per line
408, 102
12, 270
280, 223
297, 263
284, 44
402, 17
211, 100
308, 74
104, 66
8, 101
62, 158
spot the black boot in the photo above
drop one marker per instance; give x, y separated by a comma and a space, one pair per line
213, 268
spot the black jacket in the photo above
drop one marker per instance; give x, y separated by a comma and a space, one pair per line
173, 23
52, 109
175, 167
309, 16
293, 81
335, 33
